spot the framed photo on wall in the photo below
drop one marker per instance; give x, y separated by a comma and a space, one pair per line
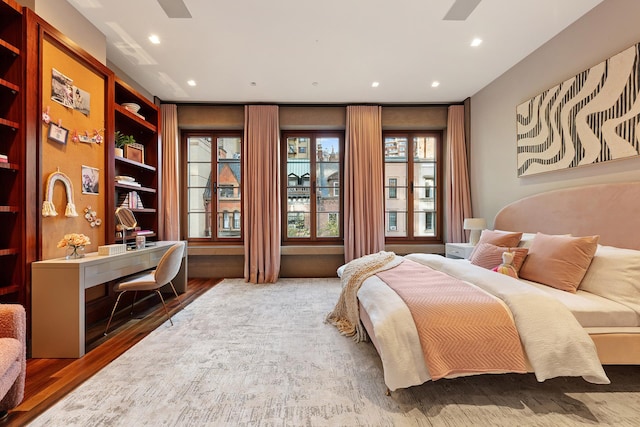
58, 133
90, 180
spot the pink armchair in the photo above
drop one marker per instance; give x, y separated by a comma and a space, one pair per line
13, 351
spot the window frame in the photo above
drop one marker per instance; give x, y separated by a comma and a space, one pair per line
214, 188
439, 188
312, 239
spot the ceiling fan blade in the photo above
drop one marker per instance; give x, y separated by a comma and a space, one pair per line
460, 10
175, 8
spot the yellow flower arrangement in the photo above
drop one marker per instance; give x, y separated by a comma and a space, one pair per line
74, 240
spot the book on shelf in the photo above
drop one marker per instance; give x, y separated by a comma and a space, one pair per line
131, 200
4, 158
143, 232
130, 183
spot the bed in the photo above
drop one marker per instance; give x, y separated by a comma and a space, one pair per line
605, 324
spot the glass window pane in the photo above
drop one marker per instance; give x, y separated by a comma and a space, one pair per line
300, 204
423, 203
397, 171
298, 224
424, 173
327, 149
299, 169
298, 148
328, 224
424, 148
326, 173
424, 223
399, 203
225, 225
199, 174
395, 149
199, 149
395, 224
198, 200
199, 225
327, 199
229, 148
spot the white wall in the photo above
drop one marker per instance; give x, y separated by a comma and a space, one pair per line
72, 24
606, 30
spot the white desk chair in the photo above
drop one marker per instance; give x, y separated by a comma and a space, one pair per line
165, 272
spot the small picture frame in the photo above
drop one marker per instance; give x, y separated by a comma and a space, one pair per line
58, 133
90, 180
134, 153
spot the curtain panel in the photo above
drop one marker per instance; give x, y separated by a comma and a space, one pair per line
261, 194
170, 208
364, 182
458, 191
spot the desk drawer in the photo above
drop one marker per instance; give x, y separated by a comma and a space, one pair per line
118, 268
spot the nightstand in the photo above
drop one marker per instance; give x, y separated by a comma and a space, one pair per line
458, 250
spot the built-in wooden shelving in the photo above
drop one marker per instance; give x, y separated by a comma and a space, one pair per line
144, 127
12, 194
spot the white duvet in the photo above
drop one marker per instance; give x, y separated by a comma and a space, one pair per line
553, 340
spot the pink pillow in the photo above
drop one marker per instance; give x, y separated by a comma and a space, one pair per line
498, 238
489, 256
559, 261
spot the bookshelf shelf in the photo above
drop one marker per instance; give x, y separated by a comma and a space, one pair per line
12, 145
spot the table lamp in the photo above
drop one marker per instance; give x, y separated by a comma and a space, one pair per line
476, 225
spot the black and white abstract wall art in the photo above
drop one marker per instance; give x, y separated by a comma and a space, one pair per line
591, 118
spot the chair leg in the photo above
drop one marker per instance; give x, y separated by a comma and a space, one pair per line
113, 312
135, 296
176, 294
165, 306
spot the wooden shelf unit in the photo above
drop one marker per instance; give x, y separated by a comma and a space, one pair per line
147, 172
12, 194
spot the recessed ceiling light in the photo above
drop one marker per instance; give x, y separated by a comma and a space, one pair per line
253, 84
476, 42
314, 84
435, 84
375, 84
191, 82
154, 39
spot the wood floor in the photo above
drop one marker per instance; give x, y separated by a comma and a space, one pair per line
48, 380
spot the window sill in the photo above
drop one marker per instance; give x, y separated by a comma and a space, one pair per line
234, 250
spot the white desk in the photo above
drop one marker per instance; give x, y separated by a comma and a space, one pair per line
58, 295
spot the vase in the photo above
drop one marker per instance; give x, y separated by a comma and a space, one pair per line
75, 252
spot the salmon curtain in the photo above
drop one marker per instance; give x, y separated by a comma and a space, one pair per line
458, 190
261, 194
364, 181
170, 209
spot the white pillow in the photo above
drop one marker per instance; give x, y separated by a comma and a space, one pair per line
526, 240
614, 274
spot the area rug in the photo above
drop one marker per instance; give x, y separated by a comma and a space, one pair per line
261, 355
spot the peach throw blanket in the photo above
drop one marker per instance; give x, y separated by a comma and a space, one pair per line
346, 314
462, 329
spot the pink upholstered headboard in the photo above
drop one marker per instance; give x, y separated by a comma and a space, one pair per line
610, 210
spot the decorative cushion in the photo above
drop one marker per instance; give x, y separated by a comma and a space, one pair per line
614, 274
498, 238
525, 240
559, 261
489, 256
